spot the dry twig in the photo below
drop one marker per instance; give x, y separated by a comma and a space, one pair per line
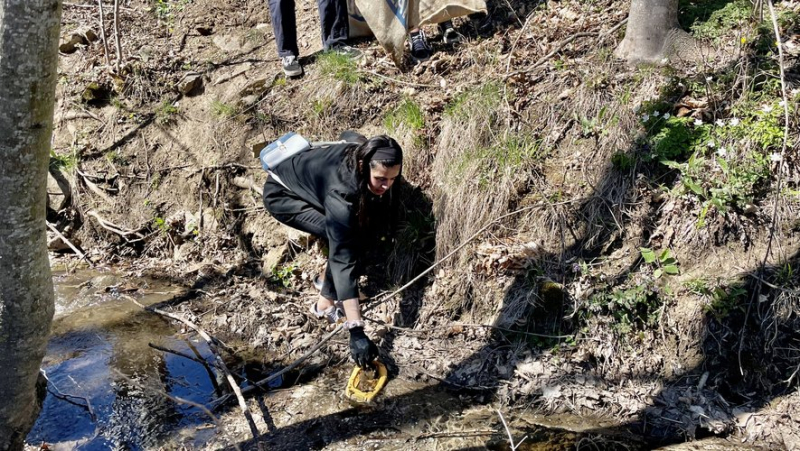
115, 228
116, 37
103, 33
219, 363
510, 438
280, 373
66, 397
555, 50
69, 243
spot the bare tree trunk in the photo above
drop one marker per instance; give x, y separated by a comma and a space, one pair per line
650, 25
29, 32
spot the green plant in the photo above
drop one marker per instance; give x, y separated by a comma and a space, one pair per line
632, 308
785, 274
319, 107
66, 162
592, 126
725, 300
160, 224
714, 18
165, 9
407, 114
698, 286
622, 161
506, 154
166, 112
115, 157
221, 109
339, 66
283, 275
663, 262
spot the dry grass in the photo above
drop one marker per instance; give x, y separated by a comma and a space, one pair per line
478, 167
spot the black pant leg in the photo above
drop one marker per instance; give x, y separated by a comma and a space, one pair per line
335, 22
284, 26
296, 213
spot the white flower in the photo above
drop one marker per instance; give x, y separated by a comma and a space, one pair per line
767, 108
698, 122
722, 152
709, 78
720, 123
711, 144
645, 117
782, 103
775, 157
667, 116
656, 114
734, 122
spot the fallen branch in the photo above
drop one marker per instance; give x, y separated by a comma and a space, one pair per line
219, 363
115, 228
248, 184
443, 434
92, 186
116, 37
77, 5
66, 397
69, 243
532, 334
510, 438
179, 354
557, 49
103, 33
396, 80
280, 373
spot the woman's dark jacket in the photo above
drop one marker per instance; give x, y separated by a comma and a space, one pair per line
319, 177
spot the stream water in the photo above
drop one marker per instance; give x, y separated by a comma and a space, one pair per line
107, 385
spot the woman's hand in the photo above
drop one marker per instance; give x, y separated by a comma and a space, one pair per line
362, 348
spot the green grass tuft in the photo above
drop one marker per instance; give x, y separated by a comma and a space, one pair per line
339, 67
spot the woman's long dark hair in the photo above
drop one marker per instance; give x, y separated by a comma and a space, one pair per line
359, 160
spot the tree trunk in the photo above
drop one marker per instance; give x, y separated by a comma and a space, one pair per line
651, 25
29, 32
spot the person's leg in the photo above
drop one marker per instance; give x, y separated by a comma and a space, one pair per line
335, 23
296, 213
284, 26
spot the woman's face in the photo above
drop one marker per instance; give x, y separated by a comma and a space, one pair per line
382, 178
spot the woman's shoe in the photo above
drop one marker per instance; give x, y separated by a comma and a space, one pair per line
334, 314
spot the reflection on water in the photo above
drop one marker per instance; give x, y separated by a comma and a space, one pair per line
107, 385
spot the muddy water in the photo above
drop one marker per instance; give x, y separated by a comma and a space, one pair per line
107, 386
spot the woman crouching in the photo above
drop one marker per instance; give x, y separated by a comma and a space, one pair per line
334, 193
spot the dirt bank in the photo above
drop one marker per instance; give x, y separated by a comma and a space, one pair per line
660, 297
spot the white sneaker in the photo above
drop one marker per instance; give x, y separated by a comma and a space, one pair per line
291, 66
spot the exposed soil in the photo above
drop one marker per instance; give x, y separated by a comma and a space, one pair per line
164, 184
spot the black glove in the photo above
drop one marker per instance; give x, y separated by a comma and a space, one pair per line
362, 348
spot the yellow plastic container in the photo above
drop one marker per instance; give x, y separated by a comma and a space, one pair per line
354, 394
